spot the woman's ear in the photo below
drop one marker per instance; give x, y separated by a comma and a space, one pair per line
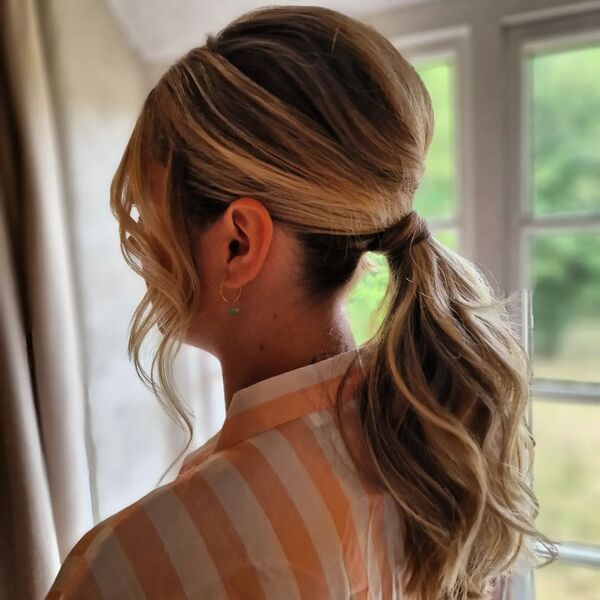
249, 231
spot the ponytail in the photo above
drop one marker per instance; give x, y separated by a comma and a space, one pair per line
443, 412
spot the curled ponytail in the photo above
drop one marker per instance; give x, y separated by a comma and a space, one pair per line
443, 411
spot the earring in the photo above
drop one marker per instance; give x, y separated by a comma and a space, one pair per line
232, 310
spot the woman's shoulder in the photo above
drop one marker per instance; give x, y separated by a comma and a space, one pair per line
158, 546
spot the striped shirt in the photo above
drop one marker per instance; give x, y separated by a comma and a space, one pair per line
271, 507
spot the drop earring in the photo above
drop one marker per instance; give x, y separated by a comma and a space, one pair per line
231, 310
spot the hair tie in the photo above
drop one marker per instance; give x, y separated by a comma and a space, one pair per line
407, 232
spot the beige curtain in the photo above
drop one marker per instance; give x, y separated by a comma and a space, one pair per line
44, 484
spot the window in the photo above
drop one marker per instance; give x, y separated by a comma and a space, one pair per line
562, 113
513, 182
560, 193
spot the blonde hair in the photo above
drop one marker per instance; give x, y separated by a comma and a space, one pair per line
321, 119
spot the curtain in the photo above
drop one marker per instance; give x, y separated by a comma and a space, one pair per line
44, 484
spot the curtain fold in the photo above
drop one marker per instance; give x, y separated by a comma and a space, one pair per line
45, 501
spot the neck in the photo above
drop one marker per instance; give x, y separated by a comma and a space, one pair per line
289, 343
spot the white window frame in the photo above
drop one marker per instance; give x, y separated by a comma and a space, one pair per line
486, 38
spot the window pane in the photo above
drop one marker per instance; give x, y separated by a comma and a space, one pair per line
365, 298
566, 301
567, 468
565, 581
565, 104
436, 194
369, 291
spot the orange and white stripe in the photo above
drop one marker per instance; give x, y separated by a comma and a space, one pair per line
272, 507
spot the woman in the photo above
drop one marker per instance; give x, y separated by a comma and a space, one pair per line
264, 165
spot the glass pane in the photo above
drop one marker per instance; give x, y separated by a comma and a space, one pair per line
365, 299
436, 194
566, 301
567, 468
565, 105
369, 291
565, 581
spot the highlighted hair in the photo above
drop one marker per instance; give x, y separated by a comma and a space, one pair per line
322, 120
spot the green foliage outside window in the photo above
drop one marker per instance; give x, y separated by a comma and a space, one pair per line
565, 120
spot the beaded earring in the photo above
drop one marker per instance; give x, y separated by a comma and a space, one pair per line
231, 310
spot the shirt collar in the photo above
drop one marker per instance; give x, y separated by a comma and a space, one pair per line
287, 396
